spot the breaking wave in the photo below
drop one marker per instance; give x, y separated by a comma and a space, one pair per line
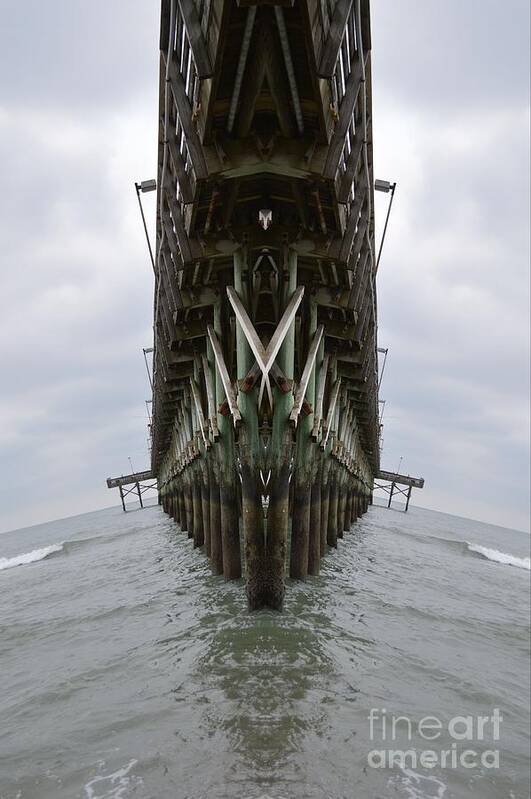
30, 557
499, 557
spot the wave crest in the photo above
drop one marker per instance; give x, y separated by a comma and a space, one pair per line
500, 557
30, 557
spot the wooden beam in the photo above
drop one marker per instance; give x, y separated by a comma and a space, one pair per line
182, 236
331, 409
330, 52
346, 109
402, 479
305, 377
265, 63
115, 482
224, 375
319, 397
199, 410
209, 383
351, 165
352, 224
195, 36
184, 110
185, 187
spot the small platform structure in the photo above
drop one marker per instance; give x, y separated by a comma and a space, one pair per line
395, 481
140, 482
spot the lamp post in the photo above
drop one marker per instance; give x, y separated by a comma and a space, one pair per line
143, 187
147, 350
386, 187
384, 352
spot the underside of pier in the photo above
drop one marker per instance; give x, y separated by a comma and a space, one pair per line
265, 436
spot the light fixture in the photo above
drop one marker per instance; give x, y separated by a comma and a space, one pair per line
147, 185
384, 352
265, 217
382, 185
146, 351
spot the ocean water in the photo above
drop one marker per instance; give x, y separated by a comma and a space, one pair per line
128, 670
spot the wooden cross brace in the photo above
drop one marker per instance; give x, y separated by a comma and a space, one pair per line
265, 357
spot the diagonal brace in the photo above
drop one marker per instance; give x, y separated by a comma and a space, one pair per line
305, 377
224, 375
265, 357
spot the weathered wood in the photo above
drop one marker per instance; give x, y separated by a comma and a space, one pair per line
305, 377
332, 45
401, 479
345, 116
195, 36
224, 375
182, 102
135, 477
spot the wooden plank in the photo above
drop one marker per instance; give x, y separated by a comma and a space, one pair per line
330, 53
127, 479
197, 43
403, 479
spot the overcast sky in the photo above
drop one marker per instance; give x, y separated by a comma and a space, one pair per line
78, 111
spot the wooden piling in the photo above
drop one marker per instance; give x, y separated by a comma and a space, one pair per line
279, 461
249, 449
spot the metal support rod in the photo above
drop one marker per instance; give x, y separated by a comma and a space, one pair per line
137, 187
393, 187
385, 351
145, 351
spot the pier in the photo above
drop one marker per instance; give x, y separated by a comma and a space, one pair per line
265, 434
391, 484
140, 482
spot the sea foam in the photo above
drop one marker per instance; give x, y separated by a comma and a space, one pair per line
30, 557
500, 557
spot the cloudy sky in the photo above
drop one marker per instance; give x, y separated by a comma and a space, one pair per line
78, 109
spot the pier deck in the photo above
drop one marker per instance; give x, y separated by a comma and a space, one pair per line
141, 482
